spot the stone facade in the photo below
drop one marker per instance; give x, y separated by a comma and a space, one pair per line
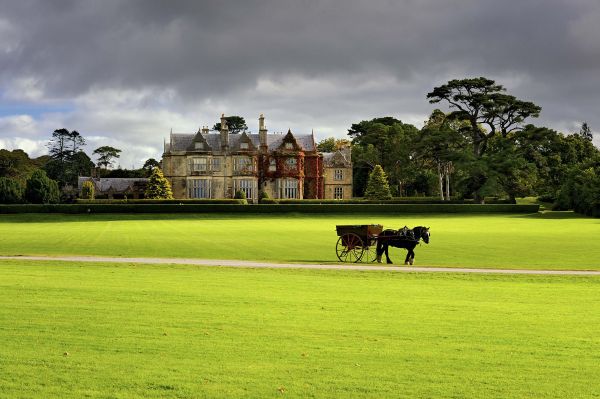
337, 179
216, 165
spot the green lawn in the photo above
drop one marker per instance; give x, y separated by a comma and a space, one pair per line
551, 240
128, 331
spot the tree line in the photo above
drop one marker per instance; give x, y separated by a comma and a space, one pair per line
53, 178
483, 145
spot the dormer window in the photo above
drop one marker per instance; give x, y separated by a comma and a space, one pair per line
199, 146
289, 146
243, 146
272, 165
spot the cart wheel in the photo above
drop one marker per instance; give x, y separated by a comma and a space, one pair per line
349, 248
370, 254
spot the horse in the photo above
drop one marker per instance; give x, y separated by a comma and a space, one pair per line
408, 240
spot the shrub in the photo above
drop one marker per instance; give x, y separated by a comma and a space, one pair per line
262, 195
11, 191
87, 190
240, 195
41, 190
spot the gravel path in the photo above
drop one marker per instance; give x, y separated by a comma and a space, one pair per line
253, 264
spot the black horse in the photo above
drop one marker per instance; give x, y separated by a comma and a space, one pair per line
403, 238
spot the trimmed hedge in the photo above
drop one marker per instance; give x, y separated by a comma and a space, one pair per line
268, 208
160, 201
405, 200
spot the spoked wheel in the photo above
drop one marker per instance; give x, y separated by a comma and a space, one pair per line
349, 248
370, 254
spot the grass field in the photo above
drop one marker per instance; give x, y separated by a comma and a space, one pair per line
551, 240
128, 331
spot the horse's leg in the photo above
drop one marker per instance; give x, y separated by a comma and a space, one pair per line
407, 259
387, 256
379, 251
412, 257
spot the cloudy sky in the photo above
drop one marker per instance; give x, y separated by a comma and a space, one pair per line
124, 73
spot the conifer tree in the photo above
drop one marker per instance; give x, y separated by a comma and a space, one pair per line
158, 186
377, 186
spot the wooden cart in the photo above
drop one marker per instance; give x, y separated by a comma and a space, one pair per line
357, 242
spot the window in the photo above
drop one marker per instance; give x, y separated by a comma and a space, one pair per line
338, 174
272, 165
288, 188
216, 164
291, 163
243, 146
199, 165
338, 192
243, 164
247, 186
199, 146
199, 188
289, 146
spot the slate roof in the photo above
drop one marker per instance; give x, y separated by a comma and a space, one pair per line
119, 185
331, 159
183, 141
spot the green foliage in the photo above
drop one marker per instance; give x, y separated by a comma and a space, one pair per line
150, 164
88, 190
552, 156
387, 142
263, 195
16, 164
240, 195
125, 173
41, 190
331, 144
581, 189
326, 145
235, 124
158, 186
377, 187
481, 101
11, 191
106, 155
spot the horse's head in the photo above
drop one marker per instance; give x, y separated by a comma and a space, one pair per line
424, 233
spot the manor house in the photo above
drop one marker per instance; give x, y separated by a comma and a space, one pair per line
287, 166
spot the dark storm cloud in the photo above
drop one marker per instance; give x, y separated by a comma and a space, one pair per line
545, 51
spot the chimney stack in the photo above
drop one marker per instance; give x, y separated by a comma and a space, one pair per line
262, 132
224, 133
